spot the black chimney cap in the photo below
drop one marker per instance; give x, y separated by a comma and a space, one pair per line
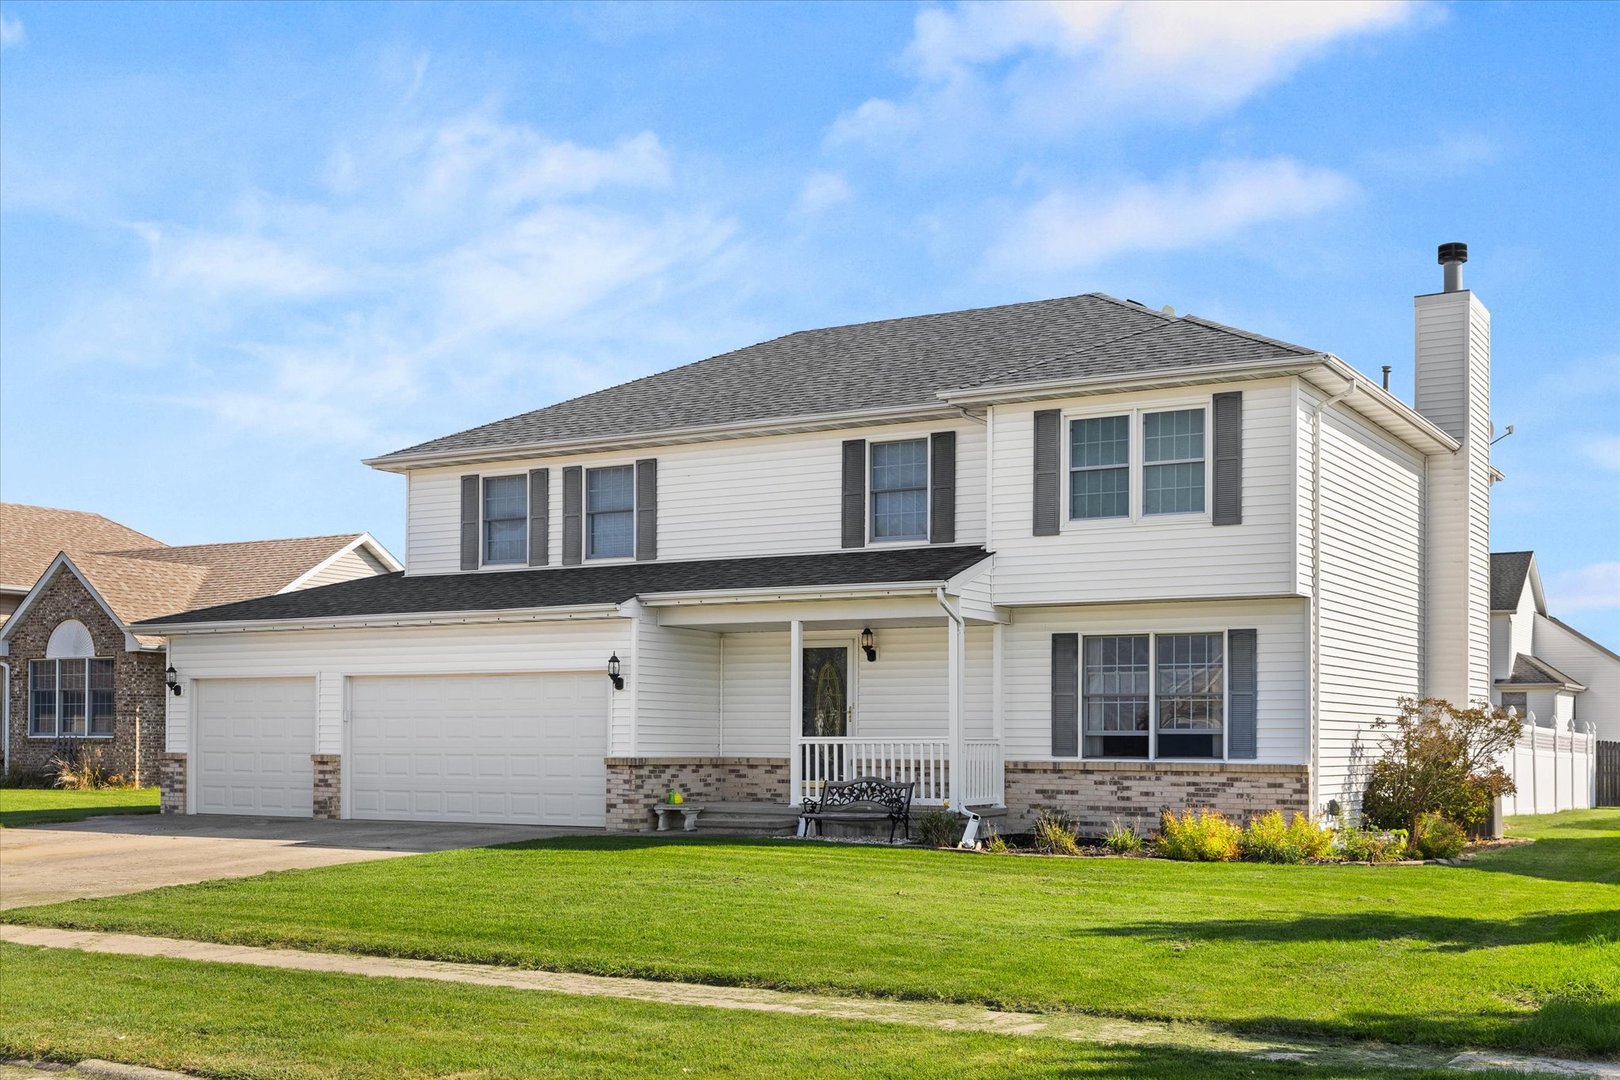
1450, 253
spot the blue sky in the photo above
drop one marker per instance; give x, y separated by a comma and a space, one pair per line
243, 246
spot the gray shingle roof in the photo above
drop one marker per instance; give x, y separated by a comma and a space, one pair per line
397, 594
888, 364
1508, 569
1532, 671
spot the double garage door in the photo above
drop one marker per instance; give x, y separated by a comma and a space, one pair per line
522, 748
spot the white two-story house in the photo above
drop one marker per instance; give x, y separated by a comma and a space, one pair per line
1074, 553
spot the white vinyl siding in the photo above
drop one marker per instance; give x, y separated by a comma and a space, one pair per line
350, 565
1152, 557
1598, 671
774, 495
678, 698
1282, 632
1371, 545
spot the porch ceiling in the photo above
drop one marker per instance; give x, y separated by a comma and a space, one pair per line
849, 614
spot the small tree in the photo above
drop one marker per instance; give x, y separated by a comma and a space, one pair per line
1440, 759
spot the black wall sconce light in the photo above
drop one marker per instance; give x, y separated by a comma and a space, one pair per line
613, 672
869, 644
171, 679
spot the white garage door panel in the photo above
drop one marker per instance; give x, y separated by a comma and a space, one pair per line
254, 741
493, 748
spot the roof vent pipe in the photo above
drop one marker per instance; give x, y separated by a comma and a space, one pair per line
1452, 257
1387, 370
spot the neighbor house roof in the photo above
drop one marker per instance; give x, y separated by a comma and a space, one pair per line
31, 536
143, 583
890, 364
585, 586
1532, 671
1508, 570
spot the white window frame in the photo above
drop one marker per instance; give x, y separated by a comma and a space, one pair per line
1137, 464
928, 494
1070, 468
57, 716
483, 521
585, 512
1153, 693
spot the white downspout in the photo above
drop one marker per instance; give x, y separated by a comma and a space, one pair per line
5, 715
1316, 590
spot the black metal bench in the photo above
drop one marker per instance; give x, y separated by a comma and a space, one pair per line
865, 798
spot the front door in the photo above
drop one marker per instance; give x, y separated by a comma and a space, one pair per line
826, 691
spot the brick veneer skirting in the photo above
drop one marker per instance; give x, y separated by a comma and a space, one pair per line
328, 786
635, 783
1097, 793
172, 781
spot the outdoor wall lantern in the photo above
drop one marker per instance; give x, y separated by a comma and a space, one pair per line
869, 644
613, 672
171, 679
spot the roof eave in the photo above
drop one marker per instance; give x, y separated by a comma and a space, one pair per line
1182, 376
405, 461
349, 622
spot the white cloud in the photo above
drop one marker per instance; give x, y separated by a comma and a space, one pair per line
11, 32
982, 67
822, 190
1073, 228
217, 264
1604, 450
1585, 588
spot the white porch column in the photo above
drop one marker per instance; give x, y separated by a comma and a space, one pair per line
795, 710
954, 656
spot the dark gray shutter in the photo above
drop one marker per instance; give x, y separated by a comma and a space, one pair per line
539, 517
1065, 695
1227, 500
573, 513
469, 522
1048, 455
647, 509
1242, 686
854, 493
942, 488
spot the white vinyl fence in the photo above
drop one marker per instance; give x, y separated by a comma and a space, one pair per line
1554, 770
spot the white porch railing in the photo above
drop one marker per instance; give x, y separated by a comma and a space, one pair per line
925, 761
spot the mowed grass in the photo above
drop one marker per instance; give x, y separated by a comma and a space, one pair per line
1520, 951
40, 806
230, 1020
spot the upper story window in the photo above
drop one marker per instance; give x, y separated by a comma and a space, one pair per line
1100, 467
70, 694
506, 519
900, 490
1173, 462
610, 501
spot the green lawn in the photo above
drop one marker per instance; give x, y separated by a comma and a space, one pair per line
1521, 950
229, 1020
35, 806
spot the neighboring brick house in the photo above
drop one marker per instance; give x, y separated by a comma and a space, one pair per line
73, 583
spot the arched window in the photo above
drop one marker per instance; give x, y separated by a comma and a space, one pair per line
70, 692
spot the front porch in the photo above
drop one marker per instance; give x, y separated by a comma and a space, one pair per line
765, 701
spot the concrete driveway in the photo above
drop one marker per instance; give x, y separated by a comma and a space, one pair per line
104, 856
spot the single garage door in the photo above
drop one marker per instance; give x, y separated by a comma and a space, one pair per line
254, 741
493, 748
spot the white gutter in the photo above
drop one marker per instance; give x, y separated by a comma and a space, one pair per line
990, 395
350, 622
5, 715
400, 462
1316, 588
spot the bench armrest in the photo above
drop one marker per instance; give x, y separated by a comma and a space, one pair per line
810, 806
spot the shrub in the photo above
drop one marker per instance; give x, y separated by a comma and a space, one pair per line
1123, 839
1054, 834
1355, 844
1439, 759
1267, 839
78, 769
1437, 837
938, 827
1198, 836
995, 843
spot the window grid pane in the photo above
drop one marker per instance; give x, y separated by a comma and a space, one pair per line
1115, 684
42, 697
610, 498
1173, 436
1173, 462
70, 685
1191, 691
506, 511
900, 490
102, 710
1173, 489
